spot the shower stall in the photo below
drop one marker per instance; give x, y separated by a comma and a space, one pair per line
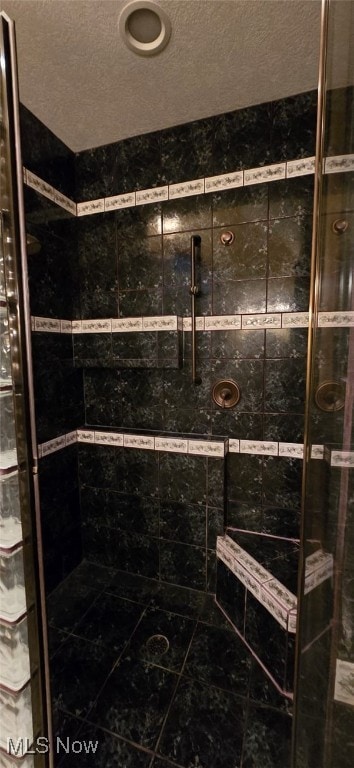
176, 395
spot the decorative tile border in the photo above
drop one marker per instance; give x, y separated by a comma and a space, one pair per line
161, 323
199, 323
318, 568
96, 326
197, 447
265, 173
338, 458
301, 167
36, 183
260, 447
276, 598
224, 181
186, 189
90, 207
260, 175
336, 319
278, 321
344, 682
116, 202
295, 320
222, 322
153, 195
339, 163
171, 444
261, 321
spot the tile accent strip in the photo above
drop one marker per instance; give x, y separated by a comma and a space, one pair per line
276, 598
344, 682
213, 447
251, 322
33, 181
262, 174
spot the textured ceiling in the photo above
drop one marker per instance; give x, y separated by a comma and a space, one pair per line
79, 78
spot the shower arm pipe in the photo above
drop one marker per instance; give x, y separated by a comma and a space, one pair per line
194, 290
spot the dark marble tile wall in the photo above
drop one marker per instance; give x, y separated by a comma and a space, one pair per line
135, 262
46, 155
259, 135
58, 386
60, 515
152, 513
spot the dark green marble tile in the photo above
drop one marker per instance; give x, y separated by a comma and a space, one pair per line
110, 622
267, 742
134, 587
286, 342
143, 301
176, 630
239, 296
245, 478
179, 600
246, 516
108, 751
134, 701
288, 294
246, 257
291, 197
183, 478
235, 206
187, 151
187, 214
183, 522
289, 247
218, 657
237, 344
285, 385
282, 482
68, 603
183, 565
204, 727
78, 672
140, 262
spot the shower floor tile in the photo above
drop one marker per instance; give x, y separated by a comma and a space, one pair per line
68, 603
216, 656
204, 728
204, 702
134, 701
267, 739
110, 622
132, 587
177, 630
109, 752
78, 671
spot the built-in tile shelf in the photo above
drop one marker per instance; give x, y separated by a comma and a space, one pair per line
274, 596
243, 583
246, 177
277, 321
172, 443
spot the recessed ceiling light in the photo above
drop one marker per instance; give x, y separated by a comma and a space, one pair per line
145, 27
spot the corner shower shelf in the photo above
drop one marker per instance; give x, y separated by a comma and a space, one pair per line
243, 583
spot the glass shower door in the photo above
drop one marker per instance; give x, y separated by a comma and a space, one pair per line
324, 701
23, 716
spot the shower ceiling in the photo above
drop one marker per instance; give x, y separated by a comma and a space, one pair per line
78, 77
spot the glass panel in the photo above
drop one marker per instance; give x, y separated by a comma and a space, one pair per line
324, 702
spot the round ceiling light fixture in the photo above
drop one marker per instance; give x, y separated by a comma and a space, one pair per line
145, 27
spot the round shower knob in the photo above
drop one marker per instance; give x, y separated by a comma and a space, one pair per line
227, 238
226, 393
